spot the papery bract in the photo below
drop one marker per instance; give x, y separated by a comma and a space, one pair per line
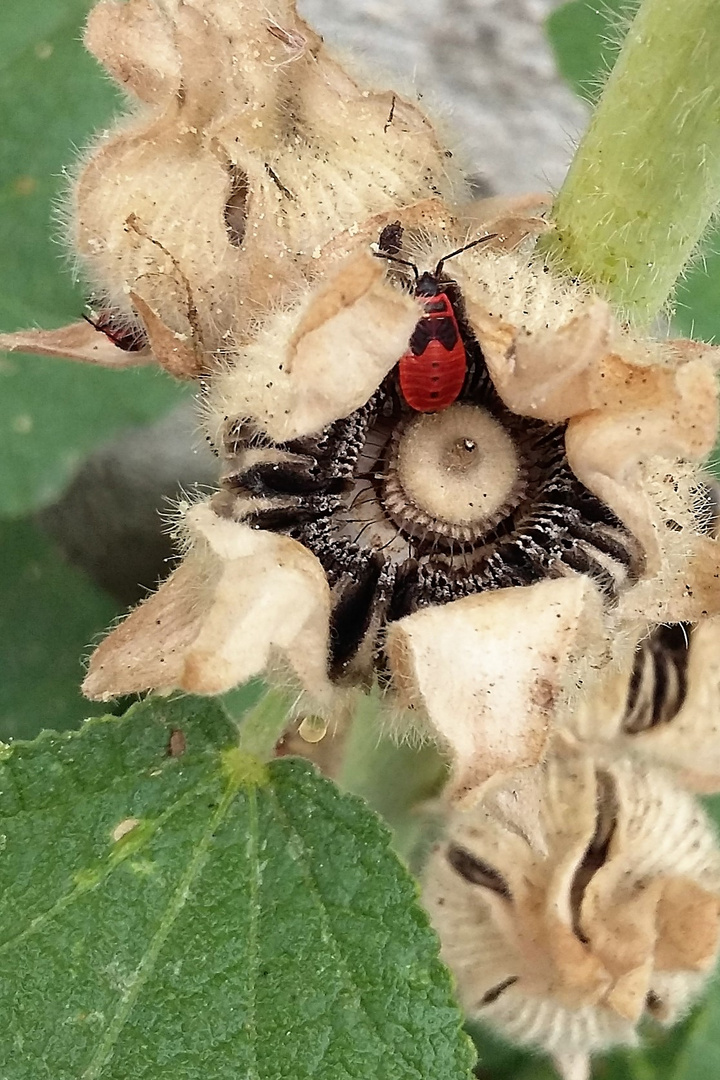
574, 899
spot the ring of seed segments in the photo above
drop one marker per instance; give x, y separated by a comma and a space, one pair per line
407, 509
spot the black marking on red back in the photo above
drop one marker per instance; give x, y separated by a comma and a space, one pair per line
443, 329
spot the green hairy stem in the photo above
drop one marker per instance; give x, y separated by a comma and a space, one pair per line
646, 177
263, 725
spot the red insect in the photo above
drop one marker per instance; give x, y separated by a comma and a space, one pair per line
432, 371
127, 339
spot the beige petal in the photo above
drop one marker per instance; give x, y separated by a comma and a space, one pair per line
492, 672
428, 216
586, 365
495, 208
690, 742
540, 334
671, 413
555, 352
236, 70
239, 597
687, 740
77, 341
544, 374
686, 583
556, 1002
623, 936
625, 456
356, 331
688, 919
514, 218
352, 281
318, 362
133, 40
663, 842
258, 150
629, 994
601, 887
178, 353
177, 251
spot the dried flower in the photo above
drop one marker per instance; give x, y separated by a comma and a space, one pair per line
477, 561
576, 898
249, 150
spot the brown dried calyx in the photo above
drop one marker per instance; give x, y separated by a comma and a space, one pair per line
575, 898
253, 150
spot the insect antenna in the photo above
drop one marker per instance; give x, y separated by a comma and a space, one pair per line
473, 243
403, 262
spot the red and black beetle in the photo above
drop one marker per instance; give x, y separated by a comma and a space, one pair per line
432, 371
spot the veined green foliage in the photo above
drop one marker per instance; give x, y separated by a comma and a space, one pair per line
174, 908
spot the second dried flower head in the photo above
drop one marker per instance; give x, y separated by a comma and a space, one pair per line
576, 899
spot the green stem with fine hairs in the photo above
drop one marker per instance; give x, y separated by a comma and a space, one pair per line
646, 177
263, 725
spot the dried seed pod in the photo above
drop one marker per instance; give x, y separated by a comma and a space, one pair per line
517, 531
253, 149
574, 899
545, 514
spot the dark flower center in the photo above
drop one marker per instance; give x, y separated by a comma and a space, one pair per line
407, 509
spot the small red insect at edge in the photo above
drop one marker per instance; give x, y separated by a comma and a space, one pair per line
432, 371
128, 340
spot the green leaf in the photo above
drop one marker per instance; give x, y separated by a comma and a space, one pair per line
699, 1056
498, 1060
49, 613
585, 36
53, 96
253, 922
53, 413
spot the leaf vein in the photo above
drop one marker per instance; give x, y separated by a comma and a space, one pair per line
144, 969
64, 902
253, 952
342, 963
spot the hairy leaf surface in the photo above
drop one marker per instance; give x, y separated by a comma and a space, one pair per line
171, 908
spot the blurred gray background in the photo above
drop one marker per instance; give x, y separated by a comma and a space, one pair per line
483, 67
